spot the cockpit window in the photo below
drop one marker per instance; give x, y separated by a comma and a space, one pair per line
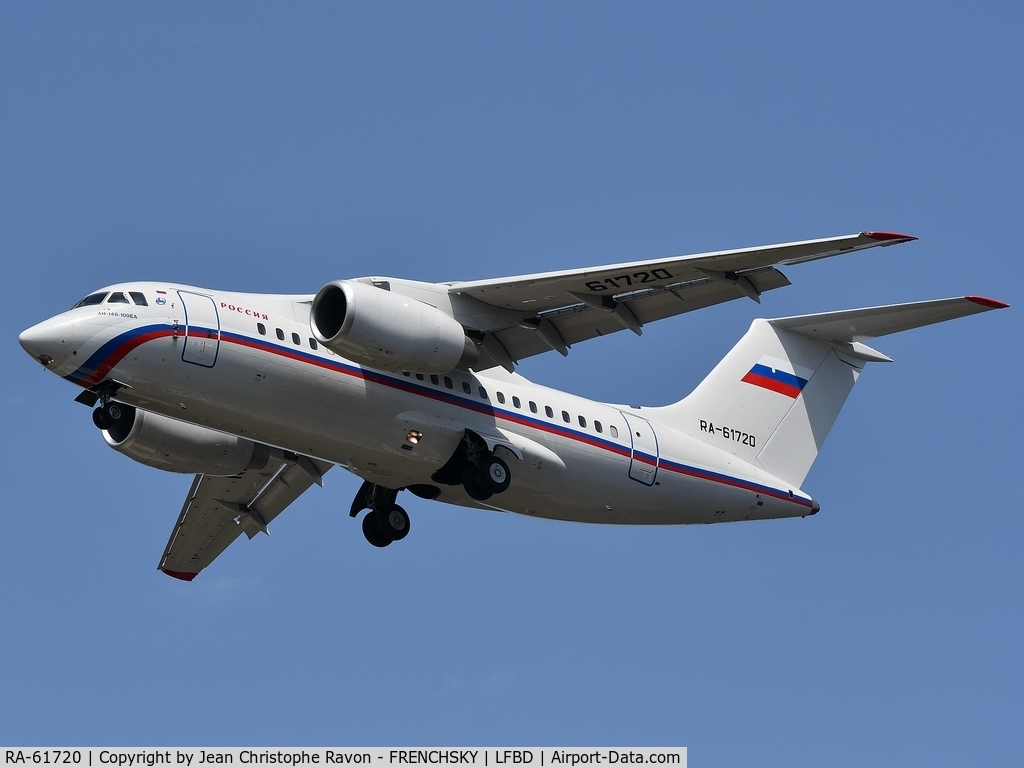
117, 298
91, 299
139, 298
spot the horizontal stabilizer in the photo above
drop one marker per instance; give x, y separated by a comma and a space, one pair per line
851, 326
783, 384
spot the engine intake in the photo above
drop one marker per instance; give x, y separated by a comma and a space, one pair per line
175, 446
388, 331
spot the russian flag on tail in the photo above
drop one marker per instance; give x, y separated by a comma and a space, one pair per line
778, 376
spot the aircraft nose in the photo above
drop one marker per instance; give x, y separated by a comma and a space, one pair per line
48, 342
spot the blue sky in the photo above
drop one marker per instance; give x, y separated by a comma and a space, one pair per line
267, 148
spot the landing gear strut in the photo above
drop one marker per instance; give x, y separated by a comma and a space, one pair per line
386, 521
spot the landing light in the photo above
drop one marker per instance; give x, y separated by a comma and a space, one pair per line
413, 437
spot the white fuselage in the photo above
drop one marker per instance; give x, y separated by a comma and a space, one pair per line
202, 357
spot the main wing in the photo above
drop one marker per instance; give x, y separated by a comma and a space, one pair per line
219, 509
553, 310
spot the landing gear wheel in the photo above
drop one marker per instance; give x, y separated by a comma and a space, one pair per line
371, 532
114, 411
394, 525
495, 475
101, 419
474, 485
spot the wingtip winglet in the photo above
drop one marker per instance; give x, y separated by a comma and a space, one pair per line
986, 302
183, 575
889, 237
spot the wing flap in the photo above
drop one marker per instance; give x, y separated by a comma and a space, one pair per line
218, 509
580, 321
548, 290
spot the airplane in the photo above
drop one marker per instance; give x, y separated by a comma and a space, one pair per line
412, 386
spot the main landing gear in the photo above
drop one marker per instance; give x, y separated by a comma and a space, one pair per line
476, 469
473, 466
490, 476
386, 521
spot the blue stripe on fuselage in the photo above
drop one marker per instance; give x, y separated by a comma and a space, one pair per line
97, 360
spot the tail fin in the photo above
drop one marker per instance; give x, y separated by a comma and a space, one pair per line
773, 399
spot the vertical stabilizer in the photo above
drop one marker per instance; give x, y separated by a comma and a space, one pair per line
773, 399
793, 447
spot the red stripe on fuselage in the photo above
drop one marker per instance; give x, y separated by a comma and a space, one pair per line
123, 349
119, 353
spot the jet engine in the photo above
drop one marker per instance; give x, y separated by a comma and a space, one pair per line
175, 446
389, 331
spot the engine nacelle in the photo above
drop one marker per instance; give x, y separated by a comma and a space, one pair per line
175, 446
387, 330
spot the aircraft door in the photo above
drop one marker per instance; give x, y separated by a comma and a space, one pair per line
643, 462
202, 329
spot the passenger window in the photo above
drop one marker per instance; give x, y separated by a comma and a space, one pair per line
434, 379
448, 382
565, 416
312, 343
466, 388
139, 298
483, 393
261, 328
117, 298
533, 407
549, 412
598, 427
515, 402
501, 398
296, 340
91, 300
280, 334
583, 422
614, 430
419, 377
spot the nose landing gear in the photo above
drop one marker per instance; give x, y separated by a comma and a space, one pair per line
108, 414
115, 418
386, 521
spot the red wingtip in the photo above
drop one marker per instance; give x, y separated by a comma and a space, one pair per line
183, 575
990, 303
889, 236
